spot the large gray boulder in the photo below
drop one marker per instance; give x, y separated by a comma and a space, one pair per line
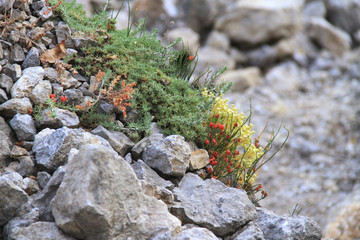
107, 201
256, 22
12, 196
170, 156
277, 227
52, 147
194, 232
212, 205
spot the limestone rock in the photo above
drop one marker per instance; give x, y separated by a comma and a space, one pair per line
30, 78
118, 140
61, 118
250, 232
52, 147
6, 82
6, 142
170, 156
41, 200
344, 14
195, 233
31, 59
24, 126
206, 56
201, 203
328, 36
107, 201
276, 227
190, 38
218, 40
198, 159
41, 92
12, 197
3, 96
242, 79
40, 231
15, 105
139, 147
255, 22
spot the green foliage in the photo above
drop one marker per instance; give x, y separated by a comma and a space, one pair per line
161, 74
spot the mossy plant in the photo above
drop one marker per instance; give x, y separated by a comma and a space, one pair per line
162, 89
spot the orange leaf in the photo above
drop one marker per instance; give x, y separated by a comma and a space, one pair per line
57, 53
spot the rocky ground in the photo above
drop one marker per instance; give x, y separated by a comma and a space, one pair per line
302, 71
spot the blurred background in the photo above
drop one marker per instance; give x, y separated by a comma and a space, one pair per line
299, 63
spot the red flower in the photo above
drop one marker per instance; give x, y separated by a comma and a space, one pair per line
29, 111
211, 125
236, 125
231, 162
214, 141
216, 116
206, 142
220, 126
190, 58
52, 96
229, 170
210, 170
228, 152
63, 98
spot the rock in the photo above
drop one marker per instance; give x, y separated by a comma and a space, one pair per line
314, 9
6, 82
195, 233
242, 79
15, 105
218, 40
191, 39
117, 208
6, 4
45, 13
3, 96
74, 96
43, 178
18, 152
6, 142
57, 119
250, 232
31, 186
40, 231
346, 224
36, 33
344, 14
13, 71
31, 59
26, 167
144, 172
41, 92
63, 32
202, 204
29, 79
200, 15
206, 56
41, 200
118, 140
67, 81
139, 147
24, 126
277, 227
285, 78
256, 22
328, 36
51, 148
12, 197
17, 53
198, 159
170, 156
